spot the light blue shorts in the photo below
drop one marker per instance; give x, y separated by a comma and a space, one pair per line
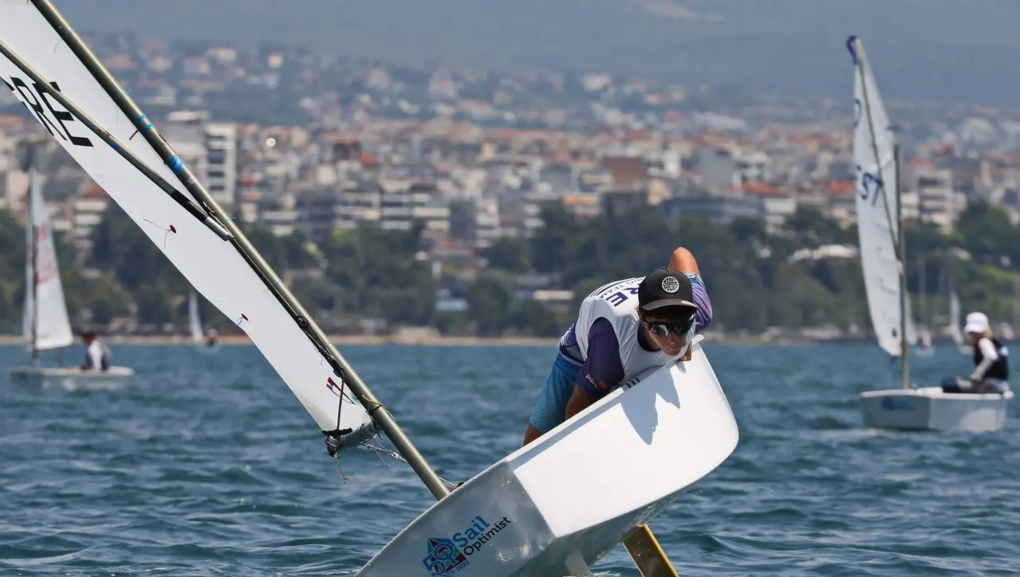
552, 402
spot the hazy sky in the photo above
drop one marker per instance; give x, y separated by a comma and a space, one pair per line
941, 50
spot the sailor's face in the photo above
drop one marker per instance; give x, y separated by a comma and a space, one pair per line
671, 345
668, 335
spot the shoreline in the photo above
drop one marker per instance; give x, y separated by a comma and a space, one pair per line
234, 340
424, 340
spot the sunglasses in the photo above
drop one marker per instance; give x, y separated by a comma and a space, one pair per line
663, 329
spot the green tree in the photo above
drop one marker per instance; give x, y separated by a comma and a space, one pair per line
509, 254
489, 299
380, 273
558, 243
534, 318
988, 234
102, 296
811, 228
12, 272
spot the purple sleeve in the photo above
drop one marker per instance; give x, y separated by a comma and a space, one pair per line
704, 316
602, 370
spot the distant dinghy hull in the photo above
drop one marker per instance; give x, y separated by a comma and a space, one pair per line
930, 409
71, 379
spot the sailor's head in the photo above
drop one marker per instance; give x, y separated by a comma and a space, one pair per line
667, 310
977, 326
88, 335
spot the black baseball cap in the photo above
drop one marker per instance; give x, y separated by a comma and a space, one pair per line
665, 288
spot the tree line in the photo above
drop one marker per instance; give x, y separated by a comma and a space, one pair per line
753, 277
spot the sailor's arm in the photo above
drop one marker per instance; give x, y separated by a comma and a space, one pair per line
601, 371
683, 261
990, 356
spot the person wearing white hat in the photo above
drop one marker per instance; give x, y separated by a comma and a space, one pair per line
991, 358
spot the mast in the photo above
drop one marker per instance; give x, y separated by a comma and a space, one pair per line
216, 218
901, 256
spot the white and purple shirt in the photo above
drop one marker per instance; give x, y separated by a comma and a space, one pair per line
606, 339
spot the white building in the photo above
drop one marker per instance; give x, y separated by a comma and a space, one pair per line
208, 149
937, 202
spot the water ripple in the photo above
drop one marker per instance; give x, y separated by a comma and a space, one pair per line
208, 466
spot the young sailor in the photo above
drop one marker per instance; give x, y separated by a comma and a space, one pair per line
211, 338
97, 356
623, 329
991, 358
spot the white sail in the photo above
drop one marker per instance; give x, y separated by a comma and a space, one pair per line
194, 323
954, 318
877, 214
46, 322
925, 338
214, 267
1005, 331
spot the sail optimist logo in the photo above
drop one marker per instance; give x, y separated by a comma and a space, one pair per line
448, 555
444, 557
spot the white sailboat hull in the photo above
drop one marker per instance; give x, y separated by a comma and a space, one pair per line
931, 409
558, 505
72, 379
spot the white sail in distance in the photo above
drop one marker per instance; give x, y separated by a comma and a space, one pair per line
47, 325
955, 331
877, 211
194, 323
214, 267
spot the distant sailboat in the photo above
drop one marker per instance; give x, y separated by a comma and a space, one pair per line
203, 341
880, 230
955, 330
1006, 331
194, 323
925, 348
46, 323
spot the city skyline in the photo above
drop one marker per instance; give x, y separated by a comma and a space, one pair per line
312, 149
938, 50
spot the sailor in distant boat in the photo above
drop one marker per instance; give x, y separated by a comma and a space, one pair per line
210, 338
925, 349
991, 360
97, 356
623, 329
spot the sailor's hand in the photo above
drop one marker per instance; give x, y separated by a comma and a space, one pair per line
687, 355
333, 445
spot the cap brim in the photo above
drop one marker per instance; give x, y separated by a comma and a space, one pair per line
974, 329
668, 303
